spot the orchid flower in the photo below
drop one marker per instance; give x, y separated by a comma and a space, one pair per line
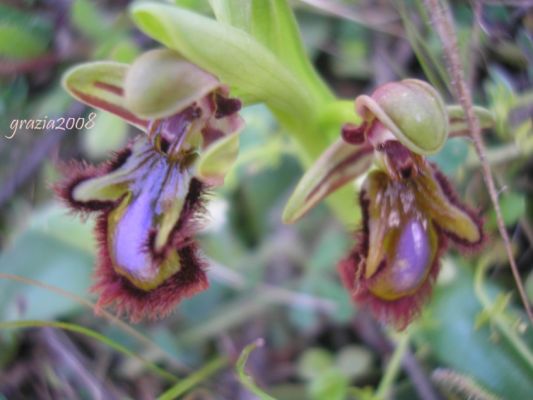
410, 211
149, 197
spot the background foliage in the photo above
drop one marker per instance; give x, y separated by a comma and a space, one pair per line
269, 280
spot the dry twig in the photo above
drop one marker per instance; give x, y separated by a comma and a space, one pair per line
443, 22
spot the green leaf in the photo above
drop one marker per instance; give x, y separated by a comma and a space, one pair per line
236, 58
124, 51
314, 362
332, 385
55, 249
234, 13
100, 85
218, 159
273, 24
23, 35
452, 334
200, 6
529, 286
513, 206
338, 165
88, 19
427, 55
452, 156
353, 58
354, 361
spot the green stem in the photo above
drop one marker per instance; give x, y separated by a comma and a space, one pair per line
247, 380
519, 346
194, 379
89, 333
127, 329
393, 368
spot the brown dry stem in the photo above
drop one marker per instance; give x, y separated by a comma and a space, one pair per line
444, 25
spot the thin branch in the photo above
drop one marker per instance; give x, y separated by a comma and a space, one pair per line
117, 322
474, 44
443, 22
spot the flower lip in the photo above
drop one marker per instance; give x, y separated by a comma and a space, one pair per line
148, 211
414, 253
408, 223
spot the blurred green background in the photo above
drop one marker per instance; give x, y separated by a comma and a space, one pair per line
268, 280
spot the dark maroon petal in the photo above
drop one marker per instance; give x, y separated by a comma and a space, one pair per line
113, 108
226, 106
401, 162
354, 134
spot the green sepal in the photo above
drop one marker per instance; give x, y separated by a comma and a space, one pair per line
338, 165
100, 85
412, 110
215, 162
161, 83
113, 185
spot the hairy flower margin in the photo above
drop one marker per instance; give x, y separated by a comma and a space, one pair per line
410, 211
149, 197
